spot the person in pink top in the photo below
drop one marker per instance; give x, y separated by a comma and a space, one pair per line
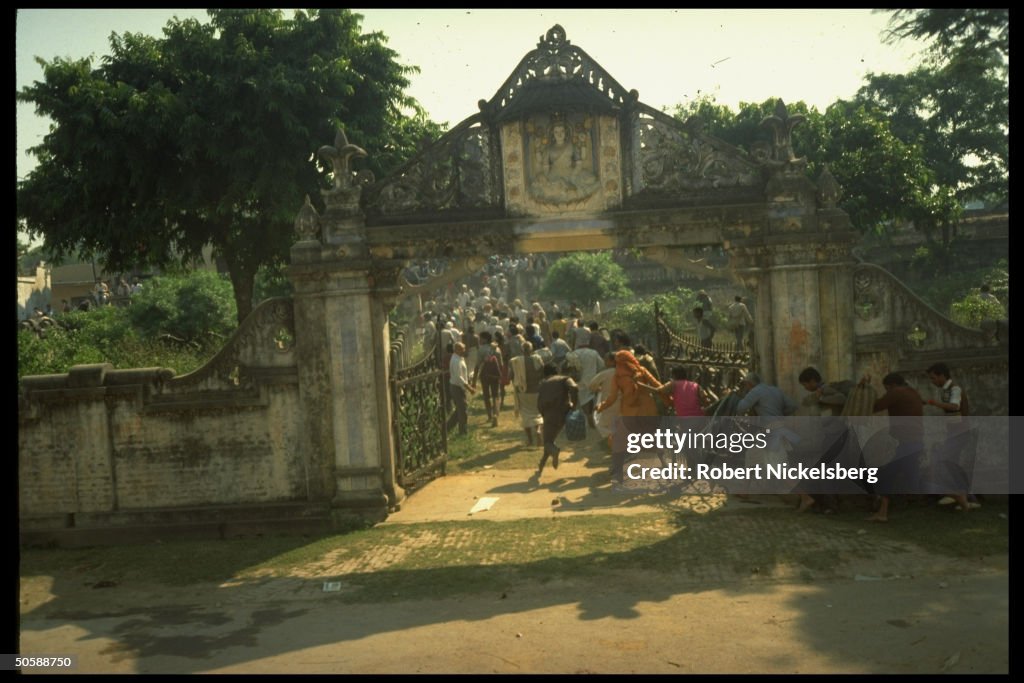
686, 397
686, 402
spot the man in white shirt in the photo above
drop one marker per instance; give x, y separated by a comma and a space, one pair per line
459, 381
587, 363
740, 320
465, 297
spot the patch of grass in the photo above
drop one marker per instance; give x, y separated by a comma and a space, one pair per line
441, 559
502, 447
173, 563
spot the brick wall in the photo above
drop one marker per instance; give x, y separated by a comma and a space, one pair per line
116, 446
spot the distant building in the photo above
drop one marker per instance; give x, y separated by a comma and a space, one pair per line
33, 291
74, 282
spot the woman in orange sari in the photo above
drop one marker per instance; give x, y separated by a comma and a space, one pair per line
636, 401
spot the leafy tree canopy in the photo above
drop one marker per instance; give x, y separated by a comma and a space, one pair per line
956, 106
953, 31
585, 277
885, 179
206, 136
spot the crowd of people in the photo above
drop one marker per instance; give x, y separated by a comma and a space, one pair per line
542, 363
103, 293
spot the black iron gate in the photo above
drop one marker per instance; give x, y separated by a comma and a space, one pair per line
417, 387
715, 368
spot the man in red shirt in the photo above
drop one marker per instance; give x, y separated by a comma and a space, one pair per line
902, 401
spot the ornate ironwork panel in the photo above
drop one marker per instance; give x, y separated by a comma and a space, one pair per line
418, 406
715, 368
455, 172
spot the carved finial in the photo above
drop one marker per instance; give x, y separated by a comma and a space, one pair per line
555, 37
782, 125
555, 59
780, 109
307, 223
339, 156
829, 190
695, 124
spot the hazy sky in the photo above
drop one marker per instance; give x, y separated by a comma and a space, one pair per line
669, 56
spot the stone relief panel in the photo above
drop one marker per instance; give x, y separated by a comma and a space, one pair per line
561, 153
557, 162
610, 160
515, 189
868, 304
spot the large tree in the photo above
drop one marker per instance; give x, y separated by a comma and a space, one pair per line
953, 31
956, 104
207, 136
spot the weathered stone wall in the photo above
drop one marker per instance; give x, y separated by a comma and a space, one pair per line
108, 448
97, 440
984, 238
33, 291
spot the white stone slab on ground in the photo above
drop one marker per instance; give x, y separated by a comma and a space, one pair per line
483, 504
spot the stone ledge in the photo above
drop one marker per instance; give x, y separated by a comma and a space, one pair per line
147, 526
138, 535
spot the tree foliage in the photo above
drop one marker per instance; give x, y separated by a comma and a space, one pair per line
953, 31
973, 309
175, 321
884, 178
956, 106
585, 277
206, 135
637, 317
908, 147
198, 308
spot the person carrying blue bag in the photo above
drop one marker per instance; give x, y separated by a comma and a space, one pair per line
556, 396
576, 425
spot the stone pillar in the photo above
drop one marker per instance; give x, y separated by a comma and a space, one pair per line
798, 261
796, 315
836, 312
804, 313
342, 342
342, 298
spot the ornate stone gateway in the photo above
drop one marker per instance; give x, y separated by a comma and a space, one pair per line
561, 158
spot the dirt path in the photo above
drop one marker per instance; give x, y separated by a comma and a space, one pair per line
630, 625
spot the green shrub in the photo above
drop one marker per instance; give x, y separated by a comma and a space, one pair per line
271, 281
198, 308
972, 309
637, 319
175, 322
585, 277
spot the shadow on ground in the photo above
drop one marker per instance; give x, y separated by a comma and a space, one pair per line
905, 597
